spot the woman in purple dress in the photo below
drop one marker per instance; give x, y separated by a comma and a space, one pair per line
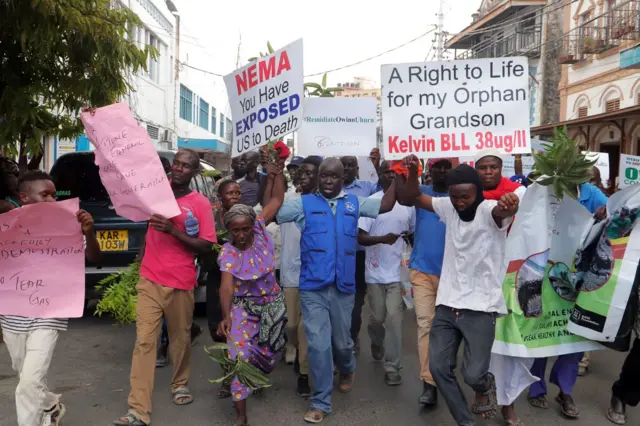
254, 314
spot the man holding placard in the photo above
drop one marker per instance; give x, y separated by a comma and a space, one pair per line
31, 341
167, 280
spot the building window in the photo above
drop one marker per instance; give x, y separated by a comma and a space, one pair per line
229, 128
186, 103
153, 132
153, 66
612, 105
214, 120
221, 124
583, 112
638, 98
204, 114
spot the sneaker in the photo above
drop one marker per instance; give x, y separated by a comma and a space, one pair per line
345, 384
162, 358
290, 355
377, 352
392, 379
303, 389
52, 417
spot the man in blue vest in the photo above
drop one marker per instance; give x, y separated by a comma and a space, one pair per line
328, 220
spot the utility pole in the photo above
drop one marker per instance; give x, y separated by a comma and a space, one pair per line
440, 34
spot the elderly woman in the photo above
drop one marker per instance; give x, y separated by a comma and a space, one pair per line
253, 308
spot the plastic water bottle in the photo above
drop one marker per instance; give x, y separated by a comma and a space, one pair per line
191, 223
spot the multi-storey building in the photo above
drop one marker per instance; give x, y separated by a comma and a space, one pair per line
600, 83
507, 28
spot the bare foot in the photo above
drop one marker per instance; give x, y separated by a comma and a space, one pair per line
510, 415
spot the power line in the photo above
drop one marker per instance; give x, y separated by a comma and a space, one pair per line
333, 69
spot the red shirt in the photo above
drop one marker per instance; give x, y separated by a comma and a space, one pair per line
166, 260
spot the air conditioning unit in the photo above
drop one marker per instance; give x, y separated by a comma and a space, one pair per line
167, 141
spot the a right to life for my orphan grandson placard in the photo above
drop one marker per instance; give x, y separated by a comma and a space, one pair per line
455, 108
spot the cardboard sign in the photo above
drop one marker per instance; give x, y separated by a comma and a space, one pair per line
42, 261
455, 108
130, 168
338, 126
367, 169
629, 170
266, 98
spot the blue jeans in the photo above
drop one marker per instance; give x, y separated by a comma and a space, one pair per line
326, 314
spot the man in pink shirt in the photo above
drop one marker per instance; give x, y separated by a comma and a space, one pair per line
167, 280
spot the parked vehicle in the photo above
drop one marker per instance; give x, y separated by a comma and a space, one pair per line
76, 175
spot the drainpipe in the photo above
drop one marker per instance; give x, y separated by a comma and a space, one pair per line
176, 74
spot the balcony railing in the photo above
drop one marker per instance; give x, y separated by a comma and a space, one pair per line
625, 21
522, 41
571, 51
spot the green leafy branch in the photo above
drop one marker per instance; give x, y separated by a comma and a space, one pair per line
246, 373
269, 51
562, 165
321, 90
120, 295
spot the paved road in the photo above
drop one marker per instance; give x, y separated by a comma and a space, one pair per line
91, 369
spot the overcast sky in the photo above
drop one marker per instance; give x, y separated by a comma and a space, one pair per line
335, 33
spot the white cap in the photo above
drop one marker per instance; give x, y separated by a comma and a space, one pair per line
491, 152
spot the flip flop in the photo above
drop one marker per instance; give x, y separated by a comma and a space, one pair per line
538, 402
567, 405
616, 417
182, 396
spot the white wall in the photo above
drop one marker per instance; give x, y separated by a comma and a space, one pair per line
595, 98
204, 86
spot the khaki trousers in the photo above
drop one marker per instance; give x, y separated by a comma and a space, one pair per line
155, 301
295, 327
425, 289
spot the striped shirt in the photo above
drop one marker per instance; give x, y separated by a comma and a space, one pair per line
18, 324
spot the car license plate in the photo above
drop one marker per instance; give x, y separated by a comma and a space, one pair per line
110, 240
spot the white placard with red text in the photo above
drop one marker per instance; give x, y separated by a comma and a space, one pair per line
266, 98
455, 108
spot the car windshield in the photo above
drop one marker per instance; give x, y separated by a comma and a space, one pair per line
76, 175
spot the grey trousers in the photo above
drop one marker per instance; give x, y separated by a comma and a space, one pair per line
385, 322
450, 328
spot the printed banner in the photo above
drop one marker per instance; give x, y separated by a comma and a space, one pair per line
535, 288
338, 126
367, 170
42, 261
455, 108
629, 170
607, 263
265, 98
130, 168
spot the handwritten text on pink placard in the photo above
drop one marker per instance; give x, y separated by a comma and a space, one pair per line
42, 261
130, 168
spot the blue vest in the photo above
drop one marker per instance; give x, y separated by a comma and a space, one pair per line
328, 243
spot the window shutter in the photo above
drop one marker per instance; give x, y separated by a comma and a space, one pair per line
612, 105
583, 112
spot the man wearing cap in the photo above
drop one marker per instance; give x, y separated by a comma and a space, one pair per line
425, 268
488, 163
292, 168
359, 188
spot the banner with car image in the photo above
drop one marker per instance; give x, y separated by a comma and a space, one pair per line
540, 283
607, 263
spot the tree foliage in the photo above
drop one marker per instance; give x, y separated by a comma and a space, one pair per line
56, 56
562, 165
321, 90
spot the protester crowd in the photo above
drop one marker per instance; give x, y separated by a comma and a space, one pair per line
296, 264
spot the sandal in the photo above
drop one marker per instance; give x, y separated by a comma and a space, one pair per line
224, 392
616, 417
569, 408
314, 415
538, 402
490, 409
182, 396
130, 419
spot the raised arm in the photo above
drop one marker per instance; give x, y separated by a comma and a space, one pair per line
275, 186
412, 188
507, 207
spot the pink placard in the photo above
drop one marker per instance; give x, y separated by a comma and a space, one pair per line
130, 168
42, 261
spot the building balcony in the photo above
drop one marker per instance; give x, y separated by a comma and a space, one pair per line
521, 42
625, 21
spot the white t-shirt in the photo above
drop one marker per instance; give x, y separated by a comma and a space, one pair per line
473, 267
382, 260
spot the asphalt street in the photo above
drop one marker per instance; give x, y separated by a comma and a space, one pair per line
91, 370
